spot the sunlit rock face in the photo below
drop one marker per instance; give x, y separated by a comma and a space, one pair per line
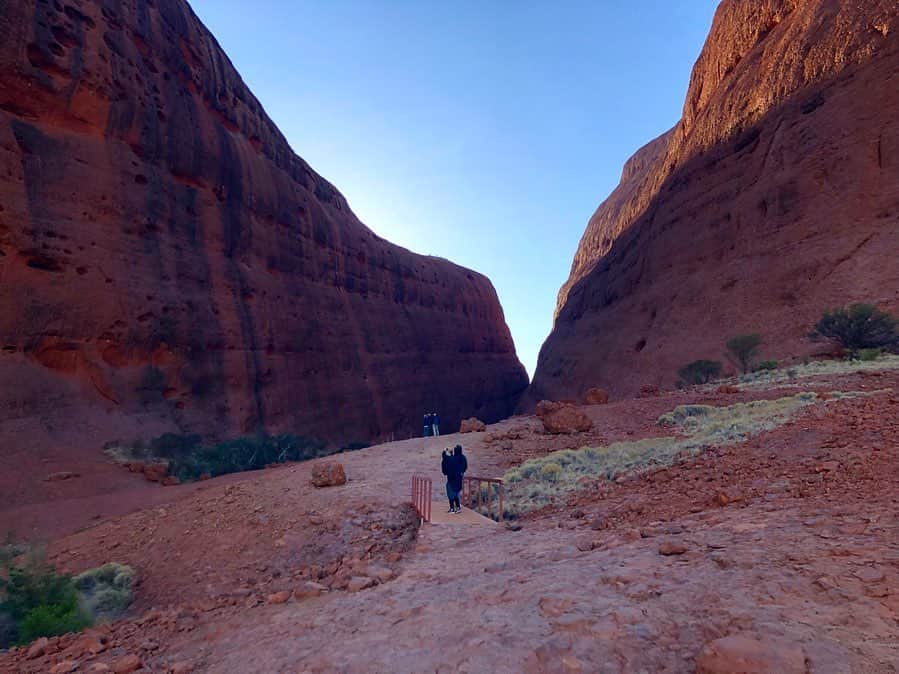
165, 256
775, 197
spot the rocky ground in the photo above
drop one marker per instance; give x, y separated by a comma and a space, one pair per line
777, 554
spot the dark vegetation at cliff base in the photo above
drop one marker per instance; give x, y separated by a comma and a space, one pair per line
861, 327
173, 458
862, 332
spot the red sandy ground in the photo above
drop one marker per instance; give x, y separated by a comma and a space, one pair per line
791, 538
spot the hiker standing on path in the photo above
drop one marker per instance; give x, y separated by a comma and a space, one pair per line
426, 425
435, 424
454, 466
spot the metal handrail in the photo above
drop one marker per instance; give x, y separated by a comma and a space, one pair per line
422, 495
471, 485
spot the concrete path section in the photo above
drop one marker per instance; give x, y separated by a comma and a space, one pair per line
439, 516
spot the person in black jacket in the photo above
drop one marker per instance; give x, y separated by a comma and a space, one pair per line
454, 466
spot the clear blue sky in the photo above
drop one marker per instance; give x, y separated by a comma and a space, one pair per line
483, 132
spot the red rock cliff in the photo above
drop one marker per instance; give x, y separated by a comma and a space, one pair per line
164, 255
775, 197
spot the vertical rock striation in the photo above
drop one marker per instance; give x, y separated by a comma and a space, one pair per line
165, 255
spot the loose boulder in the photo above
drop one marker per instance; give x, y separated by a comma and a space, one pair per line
328, 474
472, 425
596, 396
560, 418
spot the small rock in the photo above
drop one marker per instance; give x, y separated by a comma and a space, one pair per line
739, 654
630, 535
598, 523
279, 597
827, 467
328, 474
64, 667
596, 396
513, 526
181, 668
826, 583
358, 583
669, 548
38, 648
726, 496
170, 481
586, 544
309, 589
127, 664
155, 472
571, 663
87, 645
381, 573
99, 667
472, 425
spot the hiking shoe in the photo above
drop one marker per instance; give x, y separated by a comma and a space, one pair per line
451, 510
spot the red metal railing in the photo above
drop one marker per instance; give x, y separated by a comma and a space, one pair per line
474, 496
422, 495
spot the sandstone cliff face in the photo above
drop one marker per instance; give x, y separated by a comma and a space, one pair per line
164, 255
774, 197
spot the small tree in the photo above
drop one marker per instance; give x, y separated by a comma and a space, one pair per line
861, 326
699, 372
743, 348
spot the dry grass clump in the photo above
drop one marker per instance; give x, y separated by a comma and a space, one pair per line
767, 378
538, 482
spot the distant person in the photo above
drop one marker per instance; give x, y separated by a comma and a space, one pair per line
454, 466
426, 425
435, 424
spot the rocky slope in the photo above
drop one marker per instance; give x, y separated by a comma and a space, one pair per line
166, 257
797, 567
774, 197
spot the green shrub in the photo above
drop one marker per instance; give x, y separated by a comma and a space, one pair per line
174, 446
106, 590
743, 348
188, 457
869, 355
766, 365
50, 620
550, 472
861, 326
37, 601
699, 372
681, 413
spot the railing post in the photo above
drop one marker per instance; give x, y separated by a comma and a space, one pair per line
489, 500
500, 502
